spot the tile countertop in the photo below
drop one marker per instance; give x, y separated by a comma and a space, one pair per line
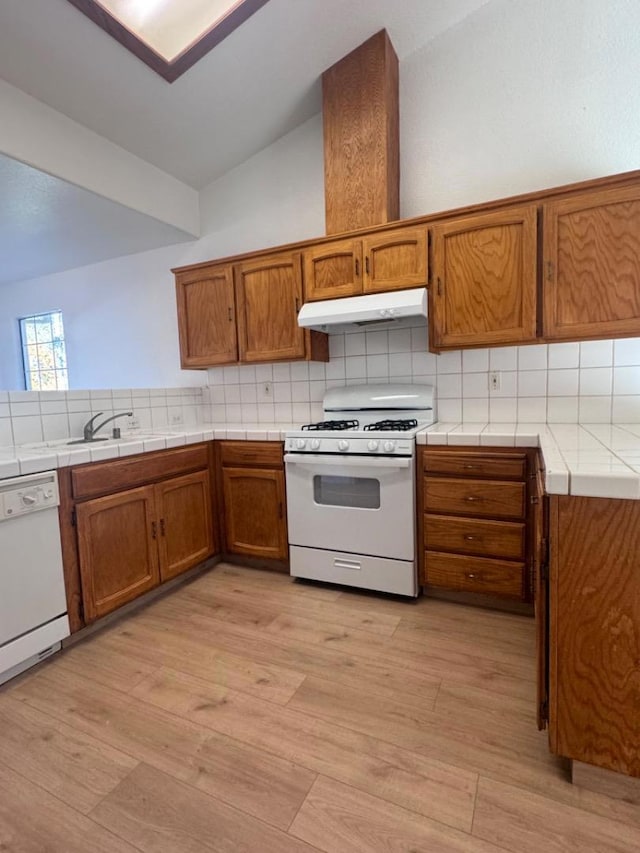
591, 460
45, 456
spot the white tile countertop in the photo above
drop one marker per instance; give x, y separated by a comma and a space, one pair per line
592, 460
45, 456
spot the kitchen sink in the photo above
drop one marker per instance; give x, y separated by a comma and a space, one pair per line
62, 443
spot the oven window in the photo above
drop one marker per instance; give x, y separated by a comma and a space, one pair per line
357, 492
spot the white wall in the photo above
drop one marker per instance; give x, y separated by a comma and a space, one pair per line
522, 95
120, 315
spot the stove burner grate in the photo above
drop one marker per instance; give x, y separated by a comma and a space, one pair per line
332, 426
392, 425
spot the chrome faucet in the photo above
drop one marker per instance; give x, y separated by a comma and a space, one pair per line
90, 431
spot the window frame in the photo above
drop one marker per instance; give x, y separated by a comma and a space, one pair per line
53, 345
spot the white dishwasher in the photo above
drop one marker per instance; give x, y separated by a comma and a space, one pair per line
33, 604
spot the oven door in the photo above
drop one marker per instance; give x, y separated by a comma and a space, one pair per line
357, 504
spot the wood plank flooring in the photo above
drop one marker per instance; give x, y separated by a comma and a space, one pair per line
246, 712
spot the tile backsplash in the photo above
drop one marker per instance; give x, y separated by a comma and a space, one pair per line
589, 382
32, 416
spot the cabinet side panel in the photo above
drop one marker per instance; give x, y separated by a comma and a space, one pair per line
598, 632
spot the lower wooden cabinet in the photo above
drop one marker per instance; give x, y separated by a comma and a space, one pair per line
139, 522
475, 521
117, 549
594, 596
253, 489
185, 526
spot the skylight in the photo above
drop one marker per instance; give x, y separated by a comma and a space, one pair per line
169, 35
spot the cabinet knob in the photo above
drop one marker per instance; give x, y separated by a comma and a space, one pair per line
469, 538
230, 314
472, 498
366, 264
154, 530
471, 576
357, 267
470, 467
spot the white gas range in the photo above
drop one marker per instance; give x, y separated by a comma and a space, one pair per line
351, 488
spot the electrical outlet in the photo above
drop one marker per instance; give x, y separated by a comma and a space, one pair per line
265, 391
176, 419
494, 380
133, 423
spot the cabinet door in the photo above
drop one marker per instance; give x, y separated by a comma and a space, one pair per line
118, 549
254, 512
591, 270
484, 279
206, 317
395, 259
185, 523
269, 296
332, 270
541, 595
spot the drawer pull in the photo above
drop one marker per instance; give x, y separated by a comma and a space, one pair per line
471, 576
469, 538
470, 467
471, 498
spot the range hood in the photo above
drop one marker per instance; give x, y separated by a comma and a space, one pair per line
364, 310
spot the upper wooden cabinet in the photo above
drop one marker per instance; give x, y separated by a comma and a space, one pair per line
206, 317
269, 296
484, 279
332, 270
395, 259
591, 264
392, 259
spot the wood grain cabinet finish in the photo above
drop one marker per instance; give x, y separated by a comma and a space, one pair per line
333, 270
131, 535
269, 296
391, 259
591, 265
474, 521
484, 279
207, 317
185, 525
118, 549
595, 631
395, 259
253, 489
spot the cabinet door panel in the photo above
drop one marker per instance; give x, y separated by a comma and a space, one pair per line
206, 317
395, 259
591, 270
118, 549
484, 279
185, 523
332, 270
269, 296
254, 512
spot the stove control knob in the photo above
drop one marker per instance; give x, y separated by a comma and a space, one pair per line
315, 444
301, 443
389, 446
373, 445
343, 445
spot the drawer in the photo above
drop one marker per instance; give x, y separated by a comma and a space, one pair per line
505, 539
265, 454
474, 574
491, 465
485, 498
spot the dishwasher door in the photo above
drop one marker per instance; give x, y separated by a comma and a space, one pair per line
33, 605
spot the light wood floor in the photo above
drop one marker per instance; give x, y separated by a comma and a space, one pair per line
245, 712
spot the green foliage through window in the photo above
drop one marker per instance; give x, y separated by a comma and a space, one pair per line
43, 352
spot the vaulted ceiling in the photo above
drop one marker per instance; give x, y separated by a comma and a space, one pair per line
255, 86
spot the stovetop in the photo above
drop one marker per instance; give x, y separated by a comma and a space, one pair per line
386, 425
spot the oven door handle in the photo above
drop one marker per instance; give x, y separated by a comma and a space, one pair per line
372, 462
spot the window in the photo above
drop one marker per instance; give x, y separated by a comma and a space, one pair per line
43, 352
